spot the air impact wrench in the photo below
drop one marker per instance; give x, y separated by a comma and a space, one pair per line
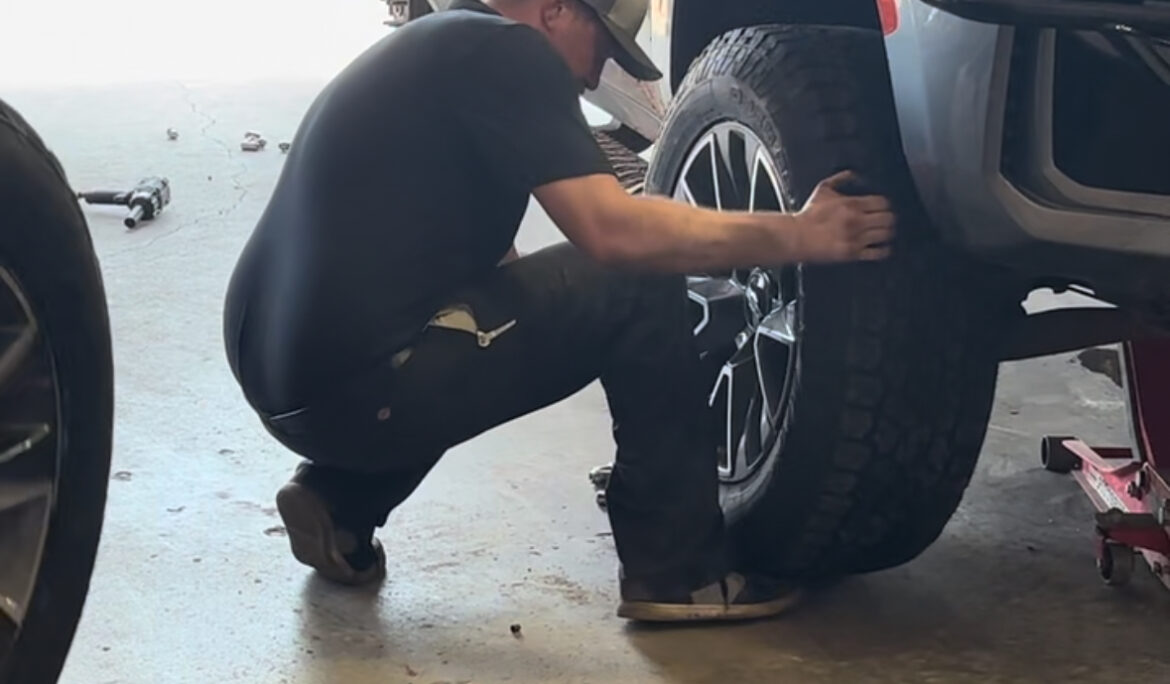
146, 200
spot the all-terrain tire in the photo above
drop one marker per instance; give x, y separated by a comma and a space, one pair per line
45, 245
895, 373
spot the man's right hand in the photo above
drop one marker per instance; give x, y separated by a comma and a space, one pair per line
835, 227
661, 234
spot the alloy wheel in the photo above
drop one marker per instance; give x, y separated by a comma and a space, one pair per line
29, 415
748, 320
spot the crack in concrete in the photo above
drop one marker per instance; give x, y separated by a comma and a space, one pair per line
211, 121
235, 179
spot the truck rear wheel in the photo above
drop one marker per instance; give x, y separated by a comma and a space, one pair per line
853, 399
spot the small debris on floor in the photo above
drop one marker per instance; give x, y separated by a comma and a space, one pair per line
123, 475
172, 134
604, 534
226, 452
253, 142
196, 560
410, 671
1031, 548
285, 146
516, 629
176, 510
277, 531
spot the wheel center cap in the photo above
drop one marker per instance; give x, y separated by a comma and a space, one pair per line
759, 295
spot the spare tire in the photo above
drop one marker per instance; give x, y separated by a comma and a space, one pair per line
852, 400
56, 407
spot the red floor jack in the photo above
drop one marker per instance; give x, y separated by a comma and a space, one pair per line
1129, 486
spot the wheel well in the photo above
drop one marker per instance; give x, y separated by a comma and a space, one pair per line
697, 22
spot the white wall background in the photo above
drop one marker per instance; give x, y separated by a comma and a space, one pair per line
52, 43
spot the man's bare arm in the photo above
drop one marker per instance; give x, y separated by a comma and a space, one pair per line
656, 233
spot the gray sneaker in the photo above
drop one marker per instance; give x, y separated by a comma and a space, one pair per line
352, 557
735, 597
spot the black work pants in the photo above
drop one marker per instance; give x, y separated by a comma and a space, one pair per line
575, 321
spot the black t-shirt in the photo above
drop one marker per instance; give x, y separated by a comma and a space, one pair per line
407, 179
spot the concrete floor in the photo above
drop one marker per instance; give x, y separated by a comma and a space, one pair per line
194, 581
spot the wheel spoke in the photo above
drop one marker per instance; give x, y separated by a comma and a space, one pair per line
14, 494
774, 343
698, 175
752, 152
753, 186
731, 399
731, 168
24, 514
748, 451
17, 440
745, 322
736, 159
715, 174
17, 342
720, 310
780, 325
765, 186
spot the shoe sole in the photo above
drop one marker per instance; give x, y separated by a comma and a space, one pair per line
646, 611
310, 535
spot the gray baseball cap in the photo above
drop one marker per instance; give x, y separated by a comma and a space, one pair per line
624, 19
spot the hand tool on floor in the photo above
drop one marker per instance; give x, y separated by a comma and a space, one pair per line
146, 200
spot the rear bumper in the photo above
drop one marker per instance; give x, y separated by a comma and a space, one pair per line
951, 77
